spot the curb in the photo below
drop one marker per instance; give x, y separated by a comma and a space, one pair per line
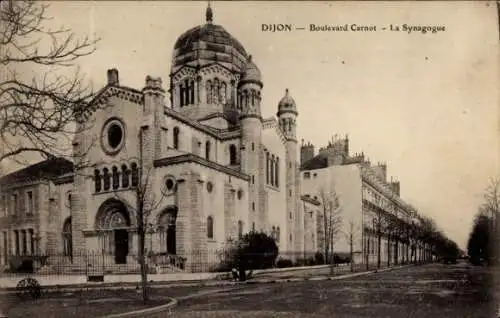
50, 289
148, 311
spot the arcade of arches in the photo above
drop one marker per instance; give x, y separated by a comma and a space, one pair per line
116, 234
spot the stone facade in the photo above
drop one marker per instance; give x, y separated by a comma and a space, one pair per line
203, 170
371, 207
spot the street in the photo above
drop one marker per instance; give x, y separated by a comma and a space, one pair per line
434, 290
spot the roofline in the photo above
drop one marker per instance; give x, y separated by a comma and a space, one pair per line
191, 158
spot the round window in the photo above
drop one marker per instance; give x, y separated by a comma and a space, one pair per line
115, 135
169, 187
169, 184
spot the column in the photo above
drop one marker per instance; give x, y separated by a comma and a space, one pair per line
15, 243
197, 84
227, 210
199, 225
234, 93
28, 242
183, 225
175, 96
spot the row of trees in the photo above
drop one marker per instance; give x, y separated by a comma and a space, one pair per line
483, 243
423, 234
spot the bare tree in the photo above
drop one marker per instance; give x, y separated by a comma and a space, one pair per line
491, 207
145, 205
38, 112
352, 235
331, 220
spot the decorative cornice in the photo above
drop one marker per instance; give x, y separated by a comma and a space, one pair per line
183, 71
103, 96
245, 116
250, 81
388, 194
201, 161
292, 111
270, 123
205, 69
64, 179
309, 200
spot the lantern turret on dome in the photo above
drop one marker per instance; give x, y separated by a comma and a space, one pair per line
206, 44
287, 117
287, 104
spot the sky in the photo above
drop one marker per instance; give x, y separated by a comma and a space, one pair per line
426, 104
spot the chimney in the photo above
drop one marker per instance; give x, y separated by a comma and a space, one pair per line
396, 187
383, 170
306, 152
113, 77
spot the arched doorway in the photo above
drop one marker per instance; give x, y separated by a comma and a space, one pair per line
67, 238
113, 224
166, 224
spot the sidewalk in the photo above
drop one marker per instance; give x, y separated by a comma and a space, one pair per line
201, 283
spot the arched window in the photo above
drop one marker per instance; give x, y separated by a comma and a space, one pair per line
135, 174
272, 170
187, 92
277, 172
223, 93
125, 176
273, 233
216, 91
240, 99
278, 234
67, 237
267, 167
240, 229
191, 90
246, 98
207, 150
210, 227
253, 97
176, 137
182, 93
208, 89
232, 154
97, 180
116, 178
106, 176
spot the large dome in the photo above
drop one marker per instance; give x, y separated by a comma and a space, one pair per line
209, 43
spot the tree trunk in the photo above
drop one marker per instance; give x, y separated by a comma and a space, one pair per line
351, 254
142, 263
379, 243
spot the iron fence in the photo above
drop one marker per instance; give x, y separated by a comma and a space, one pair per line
98, 263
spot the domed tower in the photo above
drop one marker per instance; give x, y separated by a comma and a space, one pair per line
287, 118
249, 97
207, 63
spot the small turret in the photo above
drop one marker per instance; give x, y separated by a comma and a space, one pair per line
249, 91
287, 116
